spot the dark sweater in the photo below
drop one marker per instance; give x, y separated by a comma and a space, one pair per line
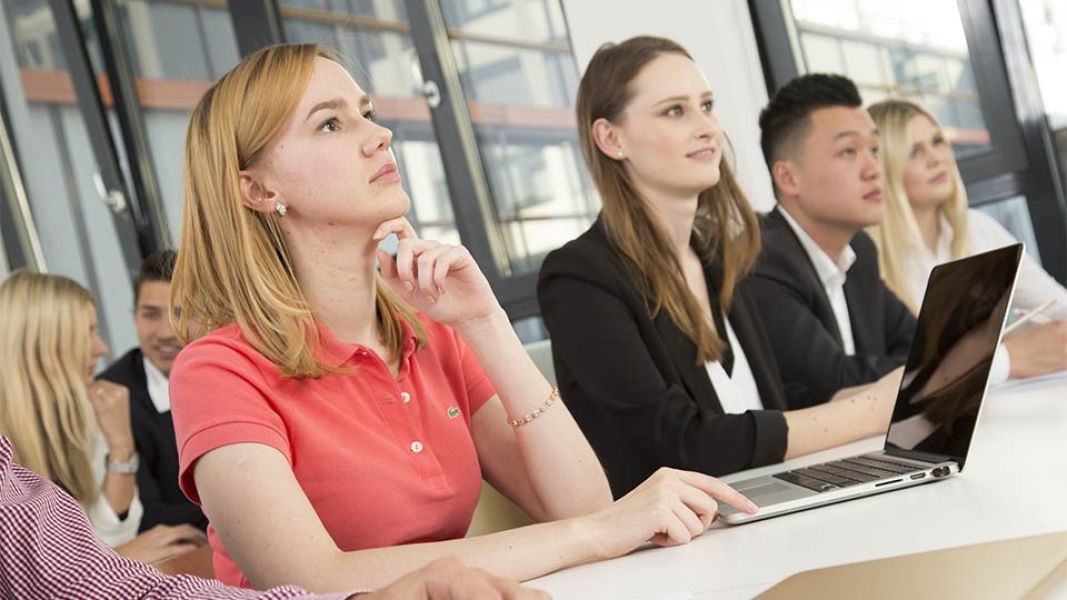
153, 433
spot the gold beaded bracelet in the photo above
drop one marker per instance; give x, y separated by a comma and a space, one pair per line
520, 421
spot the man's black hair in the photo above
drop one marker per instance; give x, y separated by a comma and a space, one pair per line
787, 116
157, 267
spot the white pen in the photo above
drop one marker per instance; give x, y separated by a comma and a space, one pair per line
1033, 314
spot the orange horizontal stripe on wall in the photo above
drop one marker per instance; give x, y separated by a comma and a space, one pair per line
55, 87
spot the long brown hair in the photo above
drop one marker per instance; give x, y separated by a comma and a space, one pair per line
44, 401
233, 264
725, 228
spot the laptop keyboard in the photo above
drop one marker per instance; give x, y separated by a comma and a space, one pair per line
845, 473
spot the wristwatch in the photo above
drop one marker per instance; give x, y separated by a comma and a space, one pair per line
128, 467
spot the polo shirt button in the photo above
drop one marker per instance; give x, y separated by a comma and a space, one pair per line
416, 446
406, 397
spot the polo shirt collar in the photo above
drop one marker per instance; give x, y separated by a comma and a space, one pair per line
336, 353
831, 272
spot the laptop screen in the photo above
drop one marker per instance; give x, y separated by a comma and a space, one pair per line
945, 377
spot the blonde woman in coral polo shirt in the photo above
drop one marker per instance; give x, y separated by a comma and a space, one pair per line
335, 422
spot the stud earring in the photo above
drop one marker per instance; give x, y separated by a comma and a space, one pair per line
620, 153
280, 208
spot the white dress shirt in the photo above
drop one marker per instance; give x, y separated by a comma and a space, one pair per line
1034, 287
158, 386
737, 390
832, 275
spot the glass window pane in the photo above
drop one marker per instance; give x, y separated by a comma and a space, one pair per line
374, 40
76, 229
1046, 35
178, 48
525, 20
1014, 215
165, 39
914, 49
520, 79
822, 54
530, 329
509, 75
864, 64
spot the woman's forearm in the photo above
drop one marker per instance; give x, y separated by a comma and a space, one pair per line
862, 413
833, 424
516, 554
563, 470
118, 488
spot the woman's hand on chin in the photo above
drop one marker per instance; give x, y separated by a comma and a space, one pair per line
440, 280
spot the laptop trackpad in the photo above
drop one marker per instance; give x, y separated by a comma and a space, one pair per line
773, 492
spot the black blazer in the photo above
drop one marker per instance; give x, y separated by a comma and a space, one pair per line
806, 340
632, 381
153, 434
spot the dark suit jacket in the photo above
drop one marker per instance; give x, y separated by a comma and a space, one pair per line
153, 433
632, 381
805, 337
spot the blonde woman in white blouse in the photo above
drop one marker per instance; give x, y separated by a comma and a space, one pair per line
928, 222
67, 427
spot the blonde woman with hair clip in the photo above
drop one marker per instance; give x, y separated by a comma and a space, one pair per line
335, 422
65, 426
927, 221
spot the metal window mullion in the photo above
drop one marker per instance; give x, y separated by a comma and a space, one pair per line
91, 106
21, 245
146, 205
256, 23
776, 41
1045, 197
468, 188
81, 224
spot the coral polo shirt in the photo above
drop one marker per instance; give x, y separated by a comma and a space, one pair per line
383, 460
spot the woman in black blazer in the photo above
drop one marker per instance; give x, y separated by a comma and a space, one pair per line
644, 305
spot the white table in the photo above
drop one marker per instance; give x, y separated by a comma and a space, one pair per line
1013, 485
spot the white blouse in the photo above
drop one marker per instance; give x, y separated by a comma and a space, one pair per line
737, 391
1034, 287
106, 523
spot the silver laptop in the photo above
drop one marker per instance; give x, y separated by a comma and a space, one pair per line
938, 404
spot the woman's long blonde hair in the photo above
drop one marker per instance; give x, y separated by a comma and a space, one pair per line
44, 403
725, 228
898, 237
233, 265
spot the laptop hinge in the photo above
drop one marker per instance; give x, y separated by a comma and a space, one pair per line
928, 457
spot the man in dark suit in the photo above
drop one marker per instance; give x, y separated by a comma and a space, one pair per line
833, 323
144, 370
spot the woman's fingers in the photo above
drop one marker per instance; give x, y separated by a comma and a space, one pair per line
389, 273
428, 263
404, 257
188, 533
387, 265
400, 226
704, 506
675, 531
694, 525
407, 253
719, 491
444, 265
175, 550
